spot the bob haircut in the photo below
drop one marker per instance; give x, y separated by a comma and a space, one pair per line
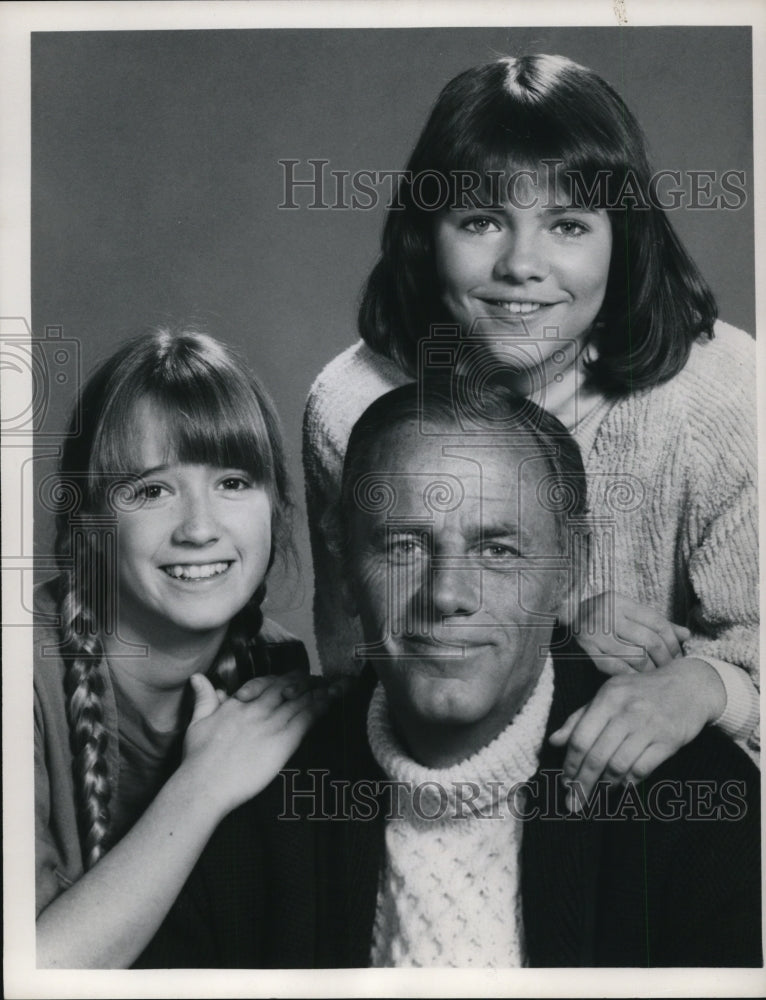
520, 114
214, 410
454, 403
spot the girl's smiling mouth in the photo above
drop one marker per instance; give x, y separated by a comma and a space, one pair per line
196, 571
519, 307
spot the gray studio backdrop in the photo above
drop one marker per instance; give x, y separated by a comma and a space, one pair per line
156, 186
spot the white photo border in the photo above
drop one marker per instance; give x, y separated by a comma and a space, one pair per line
17, 22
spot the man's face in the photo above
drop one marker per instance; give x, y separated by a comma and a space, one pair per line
453, 579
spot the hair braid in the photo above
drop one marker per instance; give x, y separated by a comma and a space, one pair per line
84, 689
237, 660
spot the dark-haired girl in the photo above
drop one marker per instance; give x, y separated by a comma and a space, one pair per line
530, 247
177, 503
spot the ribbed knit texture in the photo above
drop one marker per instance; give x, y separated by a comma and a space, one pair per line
449, 889
672, 481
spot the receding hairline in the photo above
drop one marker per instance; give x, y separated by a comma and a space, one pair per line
517, 440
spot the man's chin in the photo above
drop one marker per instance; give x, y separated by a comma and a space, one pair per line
436, 700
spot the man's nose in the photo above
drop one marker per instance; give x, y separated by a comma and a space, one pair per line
197, 524
455, 589
522, 258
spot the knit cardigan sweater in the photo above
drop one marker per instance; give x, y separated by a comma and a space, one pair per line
672, 480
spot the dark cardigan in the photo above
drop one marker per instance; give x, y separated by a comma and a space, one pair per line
274, 892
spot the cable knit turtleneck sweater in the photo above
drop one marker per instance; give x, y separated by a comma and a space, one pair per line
449, 889
671, 478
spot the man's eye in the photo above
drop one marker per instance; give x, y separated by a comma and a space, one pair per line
480, 225
403, 548
497, 550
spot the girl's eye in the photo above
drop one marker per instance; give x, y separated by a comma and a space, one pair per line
570, 227
480, 225
151, 491
236, 483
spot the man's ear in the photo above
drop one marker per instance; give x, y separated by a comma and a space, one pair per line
570, 595
336, 542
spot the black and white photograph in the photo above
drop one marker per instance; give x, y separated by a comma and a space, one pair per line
380, 457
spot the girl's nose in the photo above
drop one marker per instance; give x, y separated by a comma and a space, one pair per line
522, 258
197, 524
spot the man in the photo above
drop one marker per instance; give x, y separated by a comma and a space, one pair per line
426, 821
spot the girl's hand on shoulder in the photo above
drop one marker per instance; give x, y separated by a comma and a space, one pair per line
237, 746
300, 682
621, 635
637, 721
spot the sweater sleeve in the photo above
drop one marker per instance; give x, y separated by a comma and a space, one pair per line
723, 530
723, 571
336, 631
740, 715
47, 857
338, 397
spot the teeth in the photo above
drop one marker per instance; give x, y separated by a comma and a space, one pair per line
519, 308
196, 571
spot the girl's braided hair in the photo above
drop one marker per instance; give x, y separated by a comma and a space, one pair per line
215, 412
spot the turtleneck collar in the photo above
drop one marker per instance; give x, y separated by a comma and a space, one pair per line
510, 759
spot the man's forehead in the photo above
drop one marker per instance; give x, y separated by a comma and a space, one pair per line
450, 473
496, 458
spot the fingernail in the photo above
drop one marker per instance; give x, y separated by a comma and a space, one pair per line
291, 690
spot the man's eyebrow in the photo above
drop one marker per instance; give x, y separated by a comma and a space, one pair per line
383, 530
490, 530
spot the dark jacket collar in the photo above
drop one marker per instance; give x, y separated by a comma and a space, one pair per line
560, 852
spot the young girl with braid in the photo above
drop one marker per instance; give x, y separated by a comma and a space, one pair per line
163, 699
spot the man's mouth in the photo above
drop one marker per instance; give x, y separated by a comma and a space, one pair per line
449, 646
196, 571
